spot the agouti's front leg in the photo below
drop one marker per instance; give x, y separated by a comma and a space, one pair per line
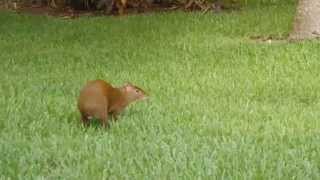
104, 119
115, 116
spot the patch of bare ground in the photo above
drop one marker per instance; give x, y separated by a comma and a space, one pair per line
269, 39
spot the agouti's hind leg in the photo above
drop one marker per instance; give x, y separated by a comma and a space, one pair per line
85, 120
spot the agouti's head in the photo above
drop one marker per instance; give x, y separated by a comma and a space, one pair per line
134, 93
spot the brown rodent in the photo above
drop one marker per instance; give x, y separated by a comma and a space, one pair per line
98, 99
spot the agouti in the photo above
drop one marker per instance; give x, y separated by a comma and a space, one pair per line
98, 99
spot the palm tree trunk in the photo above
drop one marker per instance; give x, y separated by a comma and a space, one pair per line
307, 20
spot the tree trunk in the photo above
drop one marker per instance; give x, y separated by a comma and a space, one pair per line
307, 20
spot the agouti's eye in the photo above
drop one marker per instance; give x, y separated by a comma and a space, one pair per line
137, 91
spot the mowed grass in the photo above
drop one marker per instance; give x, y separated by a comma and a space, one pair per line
221, 106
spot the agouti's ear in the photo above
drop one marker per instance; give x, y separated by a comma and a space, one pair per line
128, 86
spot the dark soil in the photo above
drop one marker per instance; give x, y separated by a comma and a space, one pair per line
69, 13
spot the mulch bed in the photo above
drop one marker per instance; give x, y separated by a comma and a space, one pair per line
69, 13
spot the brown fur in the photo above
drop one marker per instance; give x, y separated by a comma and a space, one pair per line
99, 99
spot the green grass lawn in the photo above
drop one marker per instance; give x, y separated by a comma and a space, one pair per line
221, 106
